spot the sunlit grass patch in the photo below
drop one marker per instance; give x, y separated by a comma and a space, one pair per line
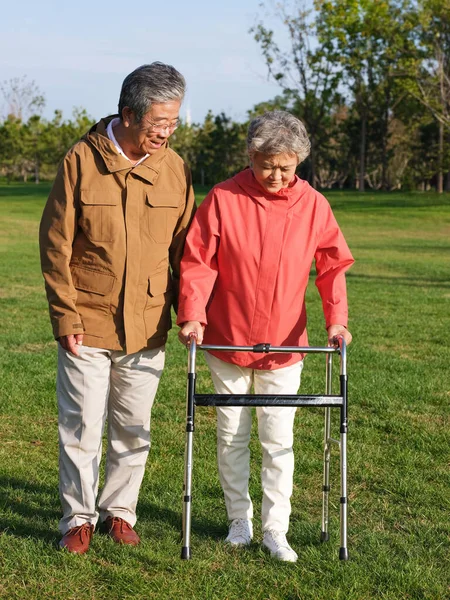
398, 450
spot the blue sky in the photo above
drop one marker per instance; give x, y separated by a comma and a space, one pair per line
78, 53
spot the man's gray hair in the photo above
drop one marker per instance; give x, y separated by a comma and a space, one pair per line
151, 84
278, 132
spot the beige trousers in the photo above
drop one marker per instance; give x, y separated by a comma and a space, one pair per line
96, 386
275, 429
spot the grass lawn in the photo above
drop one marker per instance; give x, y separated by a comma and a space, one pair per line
398, 449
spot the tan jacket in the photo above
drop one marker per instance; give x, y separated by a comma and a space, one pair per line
108, 234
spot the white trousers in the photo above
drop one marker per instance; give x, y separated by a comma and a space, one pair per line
95, 386
275, 429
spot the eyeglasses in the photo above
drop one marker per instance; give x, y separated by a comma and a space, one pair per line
160, 127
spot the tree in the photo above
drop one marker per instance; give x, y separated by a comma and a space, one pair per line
426, 76
22, 98
35, 145
38, 145
368, 38
12, 148
305, 73
183, 141
217, 148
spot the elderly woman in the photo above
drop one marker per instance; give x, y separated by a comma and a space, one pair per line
243, 281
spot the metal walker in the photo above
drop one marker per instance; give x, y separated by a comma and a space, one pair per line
327, 401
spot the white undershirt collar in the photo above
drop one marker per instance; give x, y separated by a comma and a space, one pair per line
112, 137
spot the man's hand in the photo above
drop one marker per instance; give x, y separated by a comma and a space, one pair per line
334, 330
191, 327
70, 342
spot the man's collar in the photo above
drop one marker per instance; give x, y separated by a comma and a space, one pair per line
148, 169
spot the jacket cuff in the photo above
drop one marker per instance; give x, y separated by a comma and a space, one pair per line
184, 316
69, 325
336, 319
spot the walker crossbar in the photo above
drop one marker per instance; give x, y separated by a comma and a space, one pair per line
327, 401
265, 400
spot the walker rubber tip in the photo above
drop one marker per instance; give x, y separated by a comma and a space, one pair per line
185, 553
324, 536
343, 554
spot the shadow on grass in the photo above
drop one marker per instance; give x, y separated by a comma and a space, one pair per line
23, 512
32, 510
422, 246
24, 189
354, 201
405, 281
305, 532
200, 526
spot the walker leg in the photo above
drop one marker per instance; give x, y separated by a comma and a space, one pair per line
187, 487
343, 551
186, 549
325, 536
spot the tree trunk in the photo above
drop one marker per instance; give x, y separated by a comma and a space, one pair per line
384, 143
312, 157
36, 170
440, 174
362, 151
443, 99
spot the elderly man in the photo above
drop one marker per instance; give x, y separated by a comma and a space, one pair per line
111, 238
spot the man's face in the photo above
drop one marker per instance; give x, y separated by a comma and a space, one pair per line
148, 135
274, 172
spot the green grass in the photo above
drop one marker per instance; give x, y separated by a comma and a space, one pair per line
399, 382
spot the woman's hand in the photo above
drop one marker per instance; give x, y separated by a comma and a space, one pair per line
334, 330
189, 327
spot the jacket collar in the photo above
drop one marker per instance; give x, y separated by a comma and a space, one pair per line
148, 170
293, 194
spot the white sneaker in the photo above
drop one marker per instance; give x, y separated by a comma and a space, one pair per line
240, 533
276, 542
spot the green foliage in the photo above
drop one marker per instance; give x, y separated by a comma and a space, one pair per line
215, 150
350, 70
426, 76
37, 146
369, 38
307, 76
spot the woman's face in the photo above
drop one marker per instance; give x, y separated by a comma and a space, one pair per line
275, 171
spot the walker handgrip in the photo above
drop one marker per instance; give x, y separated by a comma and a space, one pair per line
192, 340
265, 347
342, 344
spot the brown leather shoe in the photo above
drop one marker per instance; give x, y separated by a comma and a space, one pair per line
77, 539
121, 531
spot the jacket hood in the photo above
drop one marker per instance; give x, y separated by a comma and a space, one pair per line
248, 183
149, 169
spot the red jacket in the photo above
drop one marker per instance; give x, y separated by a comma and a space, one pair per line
246, 265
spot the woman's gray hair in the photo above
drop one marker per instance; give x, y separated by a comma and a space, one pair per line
278, 132
151, 84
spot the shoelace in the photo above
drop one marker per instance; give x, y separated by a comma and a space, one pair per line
279, 539
84, 529
239, 528
122, 524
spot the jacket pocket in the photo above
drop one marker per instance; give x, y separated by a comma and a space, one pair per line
98, 212
89, 280
159, 300
93, 291
162, 215
158, 286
